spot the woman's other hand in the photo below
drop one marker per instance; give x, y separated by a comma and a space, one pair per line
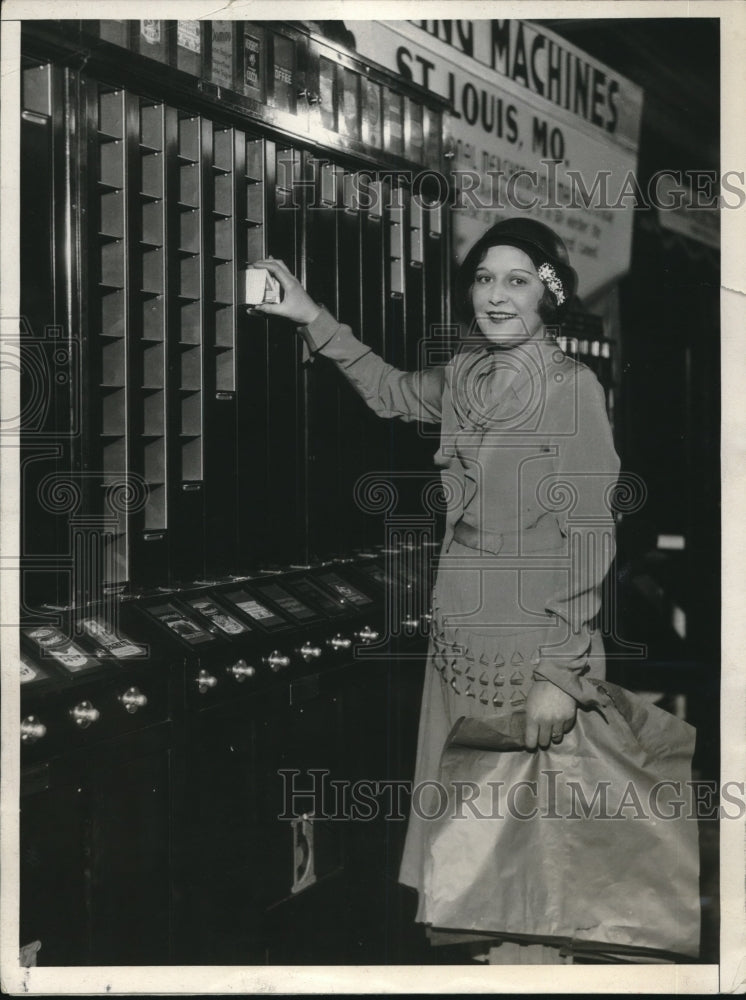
296, 305
550, 713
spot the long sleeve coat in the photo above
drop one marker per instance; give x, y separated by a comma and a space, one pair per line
528, 466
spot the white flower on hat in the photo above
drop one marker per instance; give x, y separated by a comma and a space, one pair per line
550, 278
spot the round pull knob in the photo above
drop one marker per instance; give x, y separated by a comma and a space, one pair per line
367, 634
241, 670
132, 699
277, 661
205, 681
427, 616
409, 622
32, 730
307, 650
339, 642
84, 714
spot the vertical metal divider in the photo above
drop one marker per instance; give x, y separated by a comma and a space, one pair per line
171, 330
84, 215
305, 394
132, 299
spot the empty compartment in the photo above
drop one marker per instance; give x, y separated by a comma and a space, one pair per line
153, 367
416, 144
113, 363
152, 175
349, 123
155, 509
152, 271
154, 461
112, 264
191, 459
190, 277
152, 222
153, 319
255, 159
255, 202
224, 194
222, 150
115, 558
189, 184
111, 113
224, 282
189, 231
225, 329
111, 163
112, 214
114, 458
189, 138
254, 243
114, 412
154, 415
191, 369
113, 314
115, 31
191, 323
151, 126
191, 414
224, 238
225, 376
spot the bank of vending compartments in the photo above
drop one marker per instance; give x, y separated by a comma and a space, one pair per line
287, 75
197, 413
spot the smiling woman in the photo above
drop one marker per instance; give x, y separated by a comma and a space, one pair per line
525, 443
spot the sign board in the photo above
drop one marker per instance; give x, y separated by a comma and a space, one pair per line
536, 126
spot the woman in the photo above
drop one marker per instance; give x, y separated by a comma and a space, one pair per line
528, 465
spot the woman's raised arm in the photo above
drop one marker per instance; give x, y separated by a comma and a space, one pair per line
388, 391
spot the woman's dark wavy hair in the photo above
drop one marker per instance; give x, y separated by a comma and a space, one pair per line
541, 244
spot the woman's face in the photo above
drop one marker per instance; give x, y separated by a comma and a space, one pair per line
505, 296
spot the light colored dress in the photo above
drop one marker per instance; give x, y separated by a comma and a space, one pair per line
528, 467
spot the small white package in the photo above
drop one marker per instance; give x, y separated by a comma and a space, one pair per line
261, 286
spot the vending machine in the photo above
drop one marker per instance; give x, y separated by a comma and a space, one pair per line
206, 604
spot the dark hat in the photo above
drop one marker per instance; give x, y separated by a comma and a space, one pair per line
542, 245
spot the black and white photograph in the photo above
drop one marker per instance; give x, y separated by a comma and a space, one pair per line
371, 459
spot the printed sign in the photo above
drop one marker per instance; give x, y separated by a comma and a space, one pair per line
534, 123
150, 31
68, 654
227, 623
222, 53
252, 65
177, 621
118, 646
188, 35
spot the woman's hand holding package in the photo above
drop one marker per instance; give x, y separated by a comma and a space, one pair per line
550, 713
296, 305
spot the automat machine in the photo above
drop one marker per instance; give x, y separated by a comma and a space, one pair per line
219, 618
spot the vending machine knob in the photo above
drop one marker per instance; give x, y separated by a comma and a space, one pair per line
276, 660
367, 634
32, 730
427, 616
307, 651
132, 699
205, 681
339, 642
409, 622
84, 714
241, 670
